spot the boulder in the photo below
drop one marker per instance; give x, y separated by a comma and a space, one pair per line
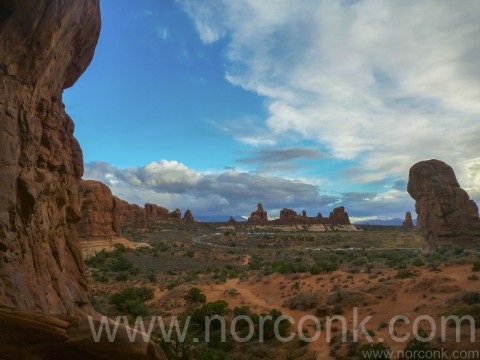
443, 208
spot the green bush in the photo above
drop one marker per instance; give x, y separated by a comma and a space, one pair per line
471, 298
404, 273
417, 349
377, 351
476, 266
195, 296
131, 300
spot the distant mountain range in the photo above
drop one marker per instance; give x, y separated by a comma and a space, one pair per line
384, 222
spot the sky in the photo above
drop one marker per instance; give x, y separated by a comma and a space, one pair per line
217, 105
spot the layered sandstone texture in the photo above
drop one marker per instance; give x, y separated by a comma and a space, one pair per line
44, 47
103, 216
28, 335
444, 209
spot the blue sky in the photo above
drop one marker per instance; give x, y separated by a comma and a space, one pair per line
216, 105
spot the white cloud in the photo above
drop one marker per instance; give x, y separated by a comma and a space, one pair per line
163, 33
172, 184
383, 83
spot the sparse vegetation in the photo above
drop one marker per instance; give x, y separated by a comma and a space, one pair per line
325, 274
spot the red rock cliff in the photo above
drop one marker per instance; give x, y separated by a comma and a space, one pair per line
44, 47
103, 214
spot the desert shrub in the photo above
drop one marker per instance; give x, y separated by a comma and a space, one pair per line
162, 247
283, 328
416, 349
121, 263
211, 309
131, 300
189, 253
122, 276
323, 267
377, 351
195, 296
468, 310
191, 276
302, 301
120, 248
100, 276
418, 262
471, 298
210, 354
337, 309
404, 273
476, 266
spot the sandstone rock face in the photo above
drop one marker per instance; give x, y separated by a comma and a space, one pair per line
188, 216
130, 215
259, 215
99, 211
339, 216
44, 47
28, 335
103, 214
408, 220
155, 212
159, 213
289, 216
443, 208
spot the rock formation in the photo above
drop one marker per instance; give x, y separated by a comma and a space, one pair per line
408, 220
98, 211
443, 208
159, 213
175, 215
289, 216
155, 212
188, 216
130, 215
44, 47
103, 214
259, 215
232, 220
339, 216
29, 335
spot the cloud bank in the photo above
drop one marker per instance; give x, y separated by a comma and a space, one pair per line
172, 184
383, 84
